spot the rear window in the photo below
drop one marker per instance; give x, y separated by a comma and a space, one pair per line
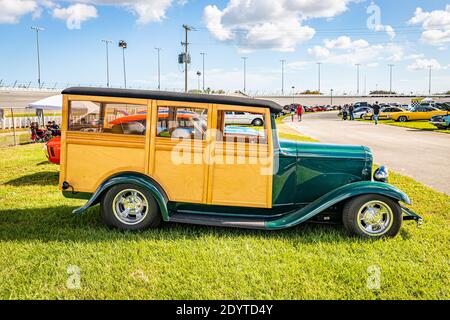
99, 117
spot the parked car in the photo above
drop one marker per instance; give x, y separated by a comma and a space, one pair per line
385, 113
361, 104
231, 178
240, 117
359, 113
419, 113
441, 122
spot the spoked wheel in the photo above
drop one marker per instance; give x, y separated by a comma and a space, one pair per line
130, 207
403, 119
372, 216
257, 122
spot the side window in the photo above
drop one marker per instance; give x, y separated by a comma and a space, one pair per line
117, 118
249, 128
182, 123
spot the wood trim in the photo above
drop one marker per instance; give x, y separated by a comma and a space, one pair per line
211, 138
183, 104
148, 130
107, 99
270, 157
105, 139
226, 107
64, 126
152, 142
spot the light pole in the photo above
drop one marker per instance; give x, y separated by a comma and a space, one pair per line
107, 42
203, 69
391, 66
38, 54
293, 94
429, 80
357, 78
123, 45
159, 69
318, 70
198, 80
331, 96
282, 76
245, 71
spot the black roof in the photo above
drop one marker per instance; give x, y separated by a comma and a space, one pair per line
174, 96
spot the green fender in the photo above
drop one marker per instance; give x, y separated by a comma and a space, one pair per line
338, 195
132, 178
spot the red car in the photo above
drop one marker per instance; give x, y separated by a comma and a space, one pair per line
53, 150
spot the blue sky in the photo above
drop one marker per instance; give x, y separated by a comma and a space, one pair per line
303, 32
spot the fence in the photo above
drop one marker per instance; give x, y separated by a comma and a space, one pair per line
24, 122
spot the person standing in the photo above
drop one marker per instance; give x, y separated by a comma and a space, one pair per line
350, 111
292, 112
299, 112
376, 112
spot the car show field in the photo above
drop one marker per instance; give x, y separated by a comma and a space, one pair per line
42, 242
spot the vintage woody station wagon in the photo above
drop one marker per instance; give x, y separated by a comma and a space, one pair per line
152, 156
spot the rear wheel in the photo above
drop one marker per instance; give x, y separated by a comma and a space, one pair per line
130, 207
372, 216
402, 119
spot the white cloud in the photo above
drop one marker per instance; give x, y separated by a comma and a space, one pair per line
386, 28
423, 64
319, 52
12, 10
268, 24
146, 11
345, 50
435, 24
75, 14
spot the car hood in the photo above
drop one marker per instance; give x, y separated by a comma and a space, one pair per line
320, 150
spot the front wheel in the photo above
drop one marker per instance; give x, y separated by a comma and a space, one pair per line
372, 216
130, 207
403, 119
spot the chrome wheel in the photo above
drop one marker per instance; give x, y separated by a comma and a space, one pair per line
130, 206
375, 218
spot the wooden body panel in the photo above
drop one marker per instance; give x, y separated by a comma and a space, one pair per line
189, 171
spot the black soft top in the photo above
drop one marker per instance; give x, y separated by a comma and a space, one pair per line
174, 96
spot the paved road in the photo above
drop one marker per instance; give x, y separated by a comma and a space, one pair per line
422, 155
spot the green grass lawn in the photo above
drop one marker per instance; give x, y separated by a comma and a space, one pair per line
419, 125
40, 238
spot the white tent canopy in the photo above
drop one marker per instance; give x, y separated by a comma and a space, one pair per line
55, 103
49, 103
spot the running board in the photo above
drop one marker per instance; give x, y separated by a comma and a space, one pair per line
206, 220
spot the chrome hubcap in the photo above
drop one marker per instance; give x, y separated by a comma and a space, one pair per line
375, 218
130, 206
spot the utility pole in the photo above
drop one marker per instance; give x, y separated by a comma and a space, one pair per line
159, 69
186, 54
38, 55
107, 61
331, 96
357, 78
390, 77
429, 80
282, 76
123, 45
245, 72
318, 67
203, 69
293, 94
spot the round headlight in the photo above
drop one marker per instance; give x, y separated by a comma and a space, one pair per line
381, 174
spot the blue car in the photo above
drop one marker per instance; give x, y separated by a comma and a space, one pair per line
441, 122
